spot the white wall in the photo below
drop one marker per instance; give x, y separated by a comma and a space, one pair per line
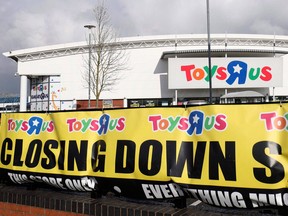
146, 76
282, 90
70, 69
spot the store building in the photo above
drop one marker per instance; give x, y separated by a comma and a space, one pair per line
161, 71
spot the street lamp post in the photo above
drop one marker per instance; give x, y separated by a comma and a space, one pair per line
89, 78
209, 52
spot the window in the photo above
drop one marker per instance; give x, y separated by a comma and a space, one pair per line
45, 93
149, 102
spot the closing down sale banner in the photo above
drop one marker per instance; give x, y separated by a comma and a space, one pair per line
224, 155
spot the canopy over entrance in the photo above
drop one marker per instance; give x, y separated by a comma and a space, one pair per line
243, 94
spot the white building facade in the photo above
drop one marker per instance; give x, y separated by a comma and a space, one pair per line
161, 71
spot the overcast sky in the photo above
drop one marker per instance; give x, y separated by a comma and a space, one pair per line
31, 23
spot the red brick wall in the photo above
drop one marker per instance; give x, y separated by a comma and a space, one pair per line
10, 209
83, 104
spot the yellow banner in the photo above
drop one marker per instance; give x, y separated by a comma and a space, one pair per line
200, 148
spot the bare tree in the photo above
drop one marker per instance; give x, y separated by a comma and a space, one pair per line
107, 57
